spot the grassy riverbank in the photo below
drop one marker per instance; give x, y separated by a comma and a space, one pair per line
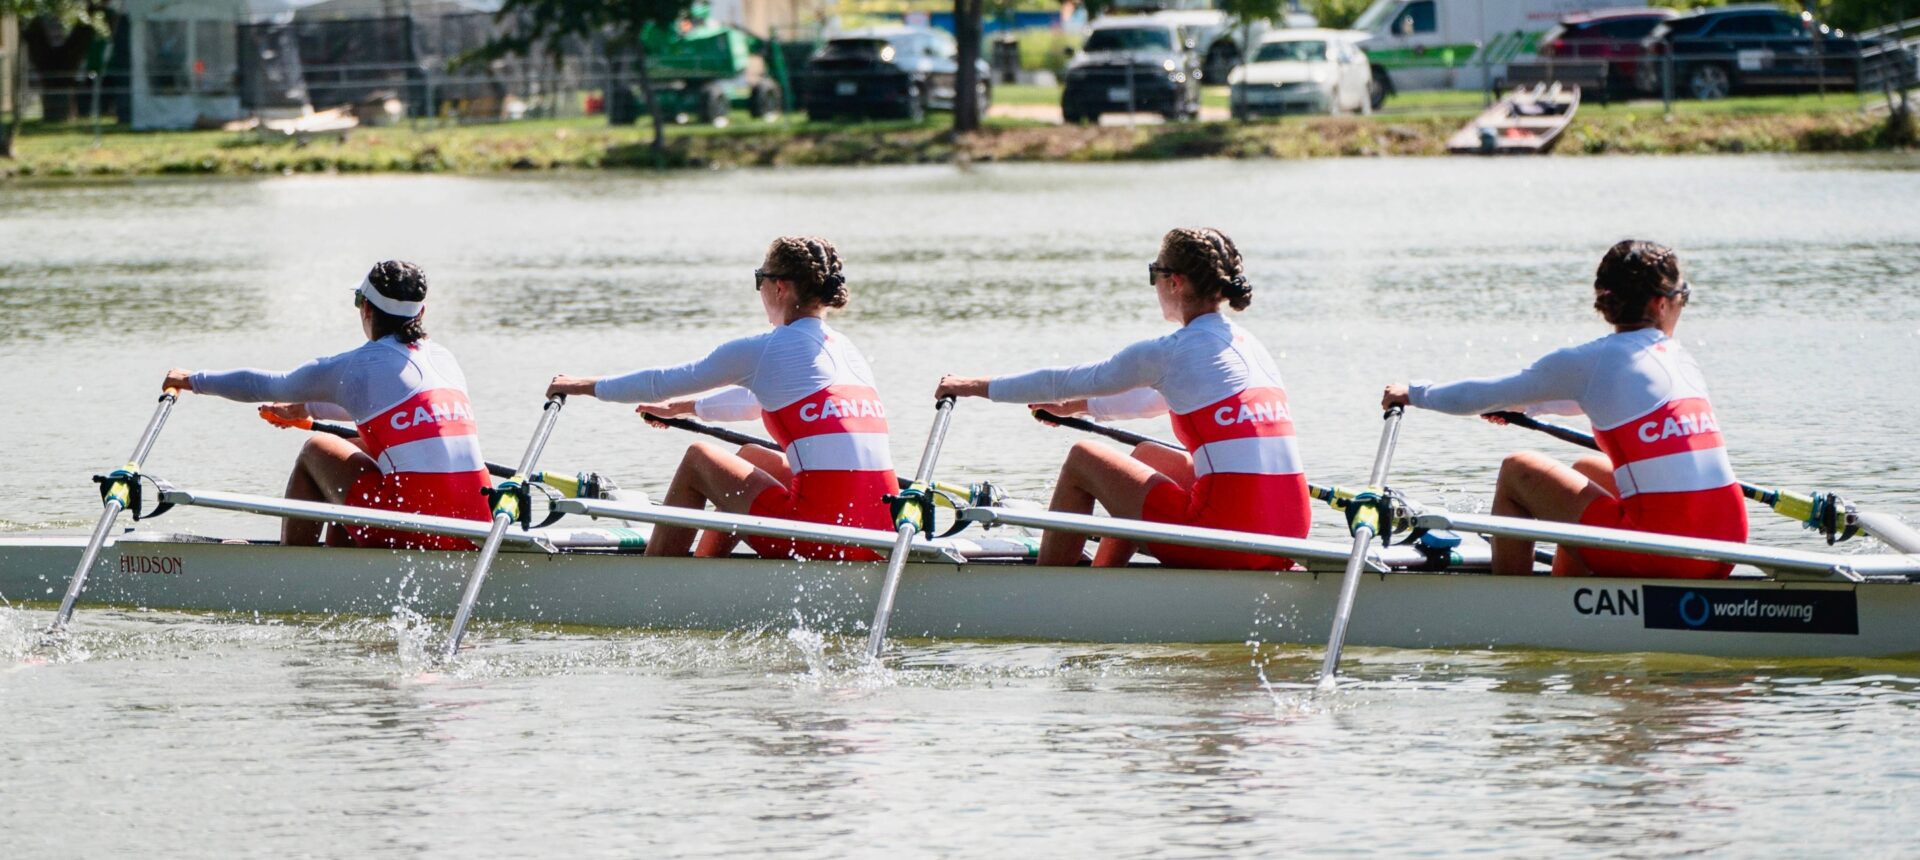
1417, 124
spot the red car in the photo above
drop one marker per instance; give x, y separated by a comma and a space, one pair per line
1612, 35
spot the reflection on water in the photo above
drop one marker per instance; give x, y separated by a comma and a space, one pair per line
186, 734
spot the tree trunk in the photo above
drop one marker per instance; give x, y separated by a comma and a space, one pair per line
60, 55
16, 73
966, 84
653, 104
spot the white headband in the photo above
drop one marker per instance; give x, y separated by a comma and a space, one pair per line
395, 307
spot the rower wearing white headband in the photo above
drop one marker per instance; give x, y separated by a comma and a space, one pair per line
418, 450
810, 386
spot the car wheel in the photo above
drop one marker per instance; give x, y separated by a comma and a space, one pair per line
1377, 89
713, 104
1709, 81
916, 102
766, 102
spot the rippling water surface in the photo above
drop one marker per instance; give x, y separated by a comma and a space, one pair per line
185, 734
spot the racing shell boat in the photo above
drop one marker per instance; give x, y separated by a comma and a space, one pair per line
1429, 595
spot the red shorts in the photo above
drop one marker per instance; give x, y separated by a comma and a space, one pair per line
449, 494
1262, 504
854, 499
1714, 514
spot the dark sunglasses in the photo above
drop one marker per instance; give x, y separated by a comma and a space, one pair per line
1154, 271
1684, 293
359, 300
760, 275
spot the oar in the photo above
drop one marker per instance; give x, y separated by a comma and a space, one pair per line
983, 493
1827, 513
118, 490
588, 485
1365, 517
509, 504
912, 514
1335, 497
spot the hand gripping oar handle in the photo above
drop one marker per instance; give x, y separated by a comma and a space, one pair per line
721, 433
509, 502
1367, 514
1827, 513
116, 493
575, 485
984, 493
1098, 429
912, 514
1335, 497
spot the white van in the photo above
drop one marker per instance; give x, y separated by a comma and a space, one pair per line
1458, 44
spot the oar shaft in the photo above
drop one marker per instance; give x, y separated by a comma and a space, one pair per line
1098, 429
1794, 507
721, 433
502, 519
1365, 525
111, 506
907, 527
498, 470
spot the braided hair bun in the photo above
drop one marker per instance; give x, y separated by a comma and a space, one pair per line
814, 267
1211, 262
1633, 273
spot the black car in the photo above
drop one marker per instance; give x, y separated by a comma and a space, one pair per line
894, 72
1131, 65
1718, 52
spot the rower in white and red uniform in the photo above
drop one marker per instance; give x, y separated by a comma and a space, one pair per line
1241, 470
418, 451
1666, 467
812, 389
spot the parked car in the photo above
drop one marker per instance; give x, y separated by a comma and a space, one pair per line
886, 72
1132, 64
1430, 44
1718, 52
1303, 71
1616, 37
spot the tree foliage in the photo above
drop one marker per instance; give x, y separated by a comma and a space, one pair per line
1337, 14
550, 27
66, 16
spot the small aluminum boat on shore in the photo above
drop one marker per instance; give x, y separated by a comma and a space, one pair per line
1527, 121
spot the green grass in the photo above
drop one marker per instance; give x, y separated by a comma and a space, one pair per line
1411, 124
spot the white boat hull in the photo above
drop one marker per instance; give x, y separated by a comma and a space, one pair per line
989, 600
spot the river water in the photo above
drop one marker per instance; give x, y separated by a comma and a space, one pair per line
164, 733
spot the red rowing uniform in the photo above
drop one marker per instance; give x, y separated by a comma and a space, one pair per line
1651, 415
410, 404
815, 393
1229, 409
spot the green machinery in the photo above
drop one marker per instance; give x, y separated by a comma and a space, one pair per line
701, 70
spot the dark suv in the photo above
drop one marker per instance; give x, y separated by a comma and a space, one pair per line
892, 72
1132, 64
1718, 52
1615, 37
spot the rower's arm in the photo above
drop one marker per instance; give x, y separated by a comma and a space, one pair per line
728, 404
730, 364
1138, 403
1137, 366
1558, 377
317, 381
324, 410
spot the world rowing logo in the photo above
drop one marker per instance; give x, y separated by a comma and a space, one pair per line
1694, 609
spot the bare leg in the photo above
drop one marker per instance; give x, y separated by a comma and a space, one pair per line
1093, 473
715, 544
324, 471
1533, 485
708, 474
1177, 465
1598, 470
